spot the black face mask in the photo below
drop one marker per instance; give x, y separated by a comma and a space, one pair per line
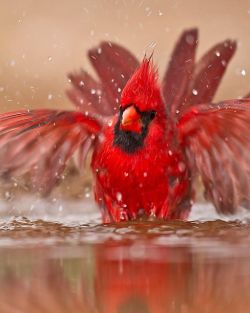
130, 141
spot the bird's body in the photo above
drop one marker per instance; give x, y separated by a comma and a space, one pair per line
149, 140
141, 181
140, 171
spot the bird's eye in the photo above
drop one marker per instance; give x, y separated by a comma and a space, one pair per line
152, 115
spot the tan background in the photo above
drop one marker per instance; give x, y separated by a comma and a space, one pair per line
41, 41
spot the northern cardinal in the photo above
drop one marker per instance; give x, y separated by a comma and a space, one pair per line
148, 142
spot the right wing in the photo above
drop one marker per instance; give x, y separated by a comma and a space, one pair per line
42, 141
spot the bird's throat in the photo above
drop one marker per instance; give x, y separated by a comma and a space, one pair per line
128, 141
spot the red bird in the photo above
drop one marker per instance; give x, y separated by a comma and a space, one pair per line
148, 142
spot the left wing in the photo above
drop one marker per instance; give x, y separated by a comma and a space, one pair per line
42, 141
216, 140
114, 66
187, 82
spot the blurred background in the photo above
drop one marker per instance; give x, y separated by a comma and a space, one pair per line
41, 41
58, 257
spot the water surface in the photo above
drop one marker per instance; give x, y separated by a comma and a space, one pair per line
58, 257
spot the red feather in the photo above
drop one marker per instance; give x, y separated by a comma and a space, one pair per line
217, 143
209, 71
42, 141
178, 75
187, 82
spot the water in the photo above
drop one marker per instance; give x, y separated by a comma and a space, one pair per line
60, 258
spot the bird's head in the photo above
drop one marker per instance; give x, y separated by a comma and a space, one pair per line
141, 106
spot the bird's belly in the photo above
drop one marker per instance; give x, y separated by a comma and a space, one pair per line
131, 189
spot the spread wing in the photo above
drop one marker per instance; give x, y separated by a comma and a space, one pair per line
216, 139
187, 82
114, 66
208, 73
180, 68
42, 141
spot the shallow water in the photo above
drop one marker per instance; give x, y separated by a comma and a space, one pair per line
60, 258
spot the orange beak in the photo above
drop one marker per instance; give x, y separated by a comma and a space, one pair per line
131, 120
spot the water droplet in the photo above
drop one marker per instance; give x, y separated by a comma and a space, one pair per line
49, 58
12, 63
160, 13
1, 88
170, 152
110, 123
99, 50
119, 196
181, 167
177, 111
145, 174
217, 53
126, 174
7, 195
223, 62
50, 96
123, 216
119, 89
149, 12
87, 195
152, 213
195, 92
81, 83
93, 91
243, 72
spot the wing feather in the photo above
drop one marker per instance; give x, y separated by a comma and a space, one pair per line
209, 71
216, 139
176, 79
41, 142
114, 66
187, 82
88, 94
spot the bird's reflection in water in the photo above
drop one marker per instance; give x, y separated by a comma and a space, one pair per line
128, 278
139, 278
